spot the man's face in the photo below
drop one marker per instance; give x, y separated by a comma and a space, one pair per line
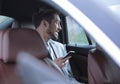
54, 27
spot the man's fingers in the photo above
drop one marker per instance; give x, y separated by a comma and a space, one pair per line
67, 58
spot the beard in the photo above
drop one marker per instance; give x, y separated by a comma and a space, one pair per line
53, 35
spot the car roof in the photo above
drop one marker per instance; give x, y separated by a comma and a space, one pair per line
21, 10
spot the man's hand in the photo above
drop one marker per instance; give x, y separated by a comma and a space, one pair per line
61, 61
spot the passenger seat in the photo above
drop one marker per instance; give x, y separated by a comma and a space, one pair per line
15, 41
101, 68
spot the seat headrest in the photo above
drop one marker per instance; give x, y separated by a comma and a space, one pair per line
26, 24
22, 40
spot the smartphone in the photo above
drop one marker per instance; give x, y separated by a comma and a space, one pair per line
70, 53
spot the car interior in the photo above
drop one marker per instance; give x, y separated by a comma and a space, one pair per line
90, 64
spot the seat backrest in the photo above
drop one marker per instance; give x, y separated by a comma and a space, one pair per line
15, 41
1, 43
102, 69
26, 40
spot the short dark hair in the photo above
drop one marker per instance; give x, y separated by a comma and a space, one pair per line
43, 13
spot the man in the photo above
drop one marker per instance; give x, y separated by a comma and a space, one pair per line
47, 23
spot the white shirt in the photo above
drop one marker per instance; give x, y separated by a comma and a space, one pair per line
59, 50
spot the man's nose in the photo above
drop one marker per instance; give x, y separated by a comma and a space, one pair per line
60, 27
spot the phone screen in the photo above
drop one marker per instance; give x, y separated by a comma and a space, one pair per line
69, 54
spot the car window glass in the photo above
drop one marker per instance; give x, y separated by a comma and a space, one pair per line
5, 21
76, 34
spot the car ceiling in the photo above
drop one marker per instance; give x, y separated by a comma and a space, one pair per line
19, 9
110, 2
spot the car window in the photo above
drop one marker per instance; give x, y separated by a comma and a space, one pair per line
5, 21
76, 34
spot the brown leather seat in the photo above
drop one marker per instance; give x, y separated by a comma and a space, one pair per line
102, 69
1, 43
15, 41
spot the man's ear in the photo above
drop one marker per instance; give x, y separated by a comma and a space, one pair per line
45, 23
